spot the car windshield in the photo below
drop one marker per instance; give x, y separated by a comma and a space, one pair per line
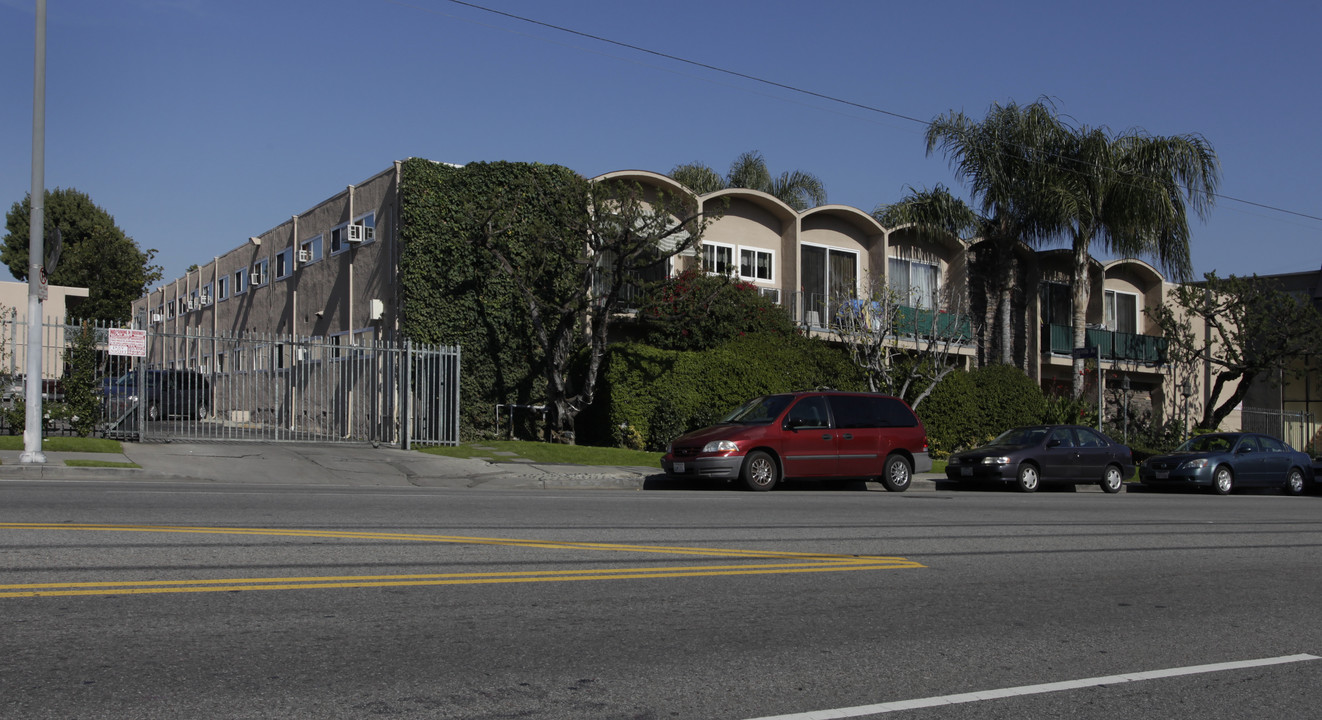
1207, 443
758, 411
1019, 437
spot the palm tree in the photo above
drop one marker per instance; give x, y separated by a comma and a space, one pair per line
798, 189
1004, 159
1128, 193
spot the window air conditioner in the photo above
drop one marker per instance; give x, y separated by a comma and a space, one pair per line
205, 300
255, 278
355, 233
304, 256
157, 317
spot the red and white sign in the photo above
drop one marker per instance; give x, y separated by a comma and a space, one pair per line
131, 343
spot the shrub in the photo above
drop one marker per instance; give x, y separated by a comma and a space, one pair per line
1007, 398
968, 409
698, 311
950, 415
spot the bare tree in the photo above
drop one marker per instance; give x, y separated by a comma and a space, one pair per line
904, 349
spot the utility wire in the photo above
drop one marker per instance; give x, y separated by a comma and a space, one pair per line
782, 86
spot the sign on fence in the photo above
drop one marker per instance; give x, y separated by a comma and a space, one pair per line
130, 343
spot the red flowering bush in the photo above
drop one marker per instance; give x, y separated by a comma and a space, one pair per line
698, 311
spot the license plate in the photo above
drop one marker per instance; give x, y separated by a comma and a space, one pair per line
966, 471
1163, 474
678, 467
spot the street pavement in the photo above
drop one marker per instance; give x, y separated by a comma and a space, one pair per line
337, 464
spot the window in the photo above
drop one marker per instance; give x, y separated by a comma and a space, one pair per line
368, 221
917, 283
284, 263
1057, 302
193, 301
310, 250
240, 281
207, 296
830, 277
718, 259
222, 288
755, 264
259, 270
1121, 311
809, 412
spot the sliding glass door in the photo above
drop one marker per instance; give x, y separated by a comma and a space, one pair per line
830, 277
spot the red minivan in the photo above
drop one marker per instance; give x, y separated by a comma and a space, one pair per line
818, 434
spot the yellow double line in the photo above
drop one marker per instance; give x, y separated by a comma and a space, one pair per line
787, 563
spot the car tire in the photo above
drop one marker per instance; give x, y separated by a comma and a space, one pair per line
153, 412
1294, 482
1029, 478
760, 472
896, 474
1223, 480
203, 412
1113, 480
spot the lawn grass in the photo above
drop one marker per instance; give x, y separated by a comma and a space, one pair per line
65, 444
100, 464
549, 453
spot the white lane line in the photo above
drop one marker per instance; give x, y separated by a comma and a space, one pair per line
882, 708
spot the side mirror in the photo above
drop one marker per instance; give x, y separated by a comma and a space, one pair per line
1054, 442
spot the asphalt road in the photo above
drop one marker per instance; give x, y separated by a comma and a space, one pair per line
176, 600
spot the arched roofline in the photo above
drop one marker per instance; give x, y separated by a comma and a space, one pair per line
766, 201
849, 214
1141, 267
951, 242
1068, 254
647, 177
1022, 250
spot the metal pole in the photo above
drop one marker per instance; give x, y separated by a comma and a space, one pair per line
32, 452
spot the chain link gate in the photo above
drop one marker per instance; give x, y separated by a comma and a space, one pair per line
258, 387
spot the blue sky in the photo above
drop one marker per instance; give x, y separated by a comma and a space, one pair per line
197, 123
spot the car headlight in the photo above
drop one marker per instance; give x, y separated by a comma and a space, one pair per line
720, 446
996, 460
1198, 464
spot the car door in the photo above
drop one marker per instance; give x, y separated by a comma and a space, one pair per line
1093, 453
1276, 460
808, 442
1250, 463
1058, 455
857, 420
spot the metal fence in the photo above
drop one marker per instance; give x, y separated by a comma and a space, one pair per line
1298, 428
252, 387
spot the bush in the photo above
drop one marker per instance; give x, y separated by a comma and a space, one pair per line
968, 409
1007, 398
659, 394
950, 415
698, 311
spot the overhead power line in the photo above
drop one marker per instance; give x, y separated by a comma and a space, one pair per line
779, 85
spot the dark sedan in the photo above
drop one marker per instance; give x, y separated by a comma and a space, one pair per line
1030, 456
1225, 461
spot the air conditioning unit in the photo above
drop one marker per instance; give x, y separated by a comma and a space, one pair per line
772, 293
305, 256
157, 317
358, 233
255, 278
205, 300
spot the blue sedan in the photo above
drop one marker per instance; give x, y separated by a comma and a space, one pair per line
1225, 461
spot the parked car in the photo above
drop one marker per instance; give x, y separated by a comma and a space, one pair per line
1225, 461
182, 393
817, 434
1030, 456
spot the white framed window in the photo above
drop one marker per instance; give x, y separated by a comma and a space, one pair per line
240, 281
284, 263
757, 264
260, 270
208, 296
309, 251
368, 221
193, 302
222, 288
917, 283
1121, 310
339, 239
718, 259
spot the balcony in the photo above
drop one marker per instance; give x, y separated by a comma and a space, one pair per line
816, 313
1119, 346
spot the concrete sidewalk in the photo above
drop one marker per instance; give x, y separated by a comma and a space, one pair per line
330, 464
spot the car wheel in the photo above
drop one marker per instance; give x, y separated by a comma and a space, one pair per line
1028, 478
896, 475
1223, 481
153, 412
760, 471
1113, 480
203, 412
1294, 482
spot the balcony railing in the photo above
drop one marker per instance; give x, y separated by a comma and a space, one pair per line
815, 312
1146, 349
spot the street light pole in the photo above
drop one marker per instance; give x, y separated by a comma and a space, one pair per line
32, 452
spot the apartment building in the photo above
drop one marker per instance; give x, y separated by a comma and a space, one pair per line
332, 272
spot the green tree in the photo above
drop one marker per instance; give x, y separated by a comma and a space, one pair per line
1254, 330
1005, 159
1128, 192
698, 311
800, 190
80, 380
572, 265
96, 254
